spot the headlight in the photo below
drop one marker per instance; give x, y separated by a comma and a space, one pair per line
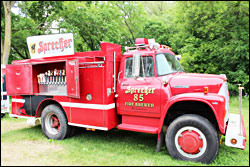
224, 92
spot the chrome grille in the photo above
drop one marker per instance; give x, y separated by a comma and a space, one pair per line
224, 92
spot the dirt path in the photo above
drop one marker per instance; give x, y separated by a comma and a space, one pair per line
12, 125
25, 152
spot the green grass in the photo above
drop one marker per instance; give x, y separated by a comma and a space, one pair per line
117, 147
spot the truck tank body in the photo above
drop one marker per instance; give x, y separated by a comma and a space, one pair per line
88, 95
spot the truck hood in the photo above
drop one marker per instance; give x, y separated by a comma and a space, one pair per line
193, 82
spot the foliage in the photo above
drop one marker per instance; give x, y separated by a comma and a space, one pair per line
211, 36
35, 19
159, 25
88, 21
92, 22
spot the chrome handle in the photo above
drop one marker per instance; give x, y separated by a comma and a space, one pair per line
119, 76
124, 84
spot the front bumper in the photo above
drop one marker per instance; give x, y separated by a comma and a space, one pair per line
235, 133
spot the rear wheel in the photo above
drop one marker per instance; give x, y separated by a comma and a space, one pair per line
54, 122
193, 138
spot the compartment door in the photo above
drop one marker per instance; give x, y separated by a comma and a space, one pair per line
72, 76
19, 79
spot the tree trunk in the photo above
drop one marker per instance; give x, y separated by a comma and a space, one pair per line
1, 50
7, 35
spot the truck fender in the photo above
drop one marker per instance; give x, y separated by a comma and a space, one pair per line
44, 103
200, 97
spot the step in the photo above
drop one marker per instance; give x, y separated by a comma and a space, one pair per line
138, 128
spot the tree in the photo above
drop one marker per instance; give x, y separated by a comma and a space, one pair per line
92, 22
34, 18
159, 24
5, 46
213, 37
43, 13
133, 17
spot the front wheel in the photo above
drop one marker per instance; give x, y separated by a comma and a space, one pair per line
54, 122
193, 138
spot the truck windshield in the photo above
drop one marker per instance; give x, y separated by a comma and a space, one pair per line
167, 63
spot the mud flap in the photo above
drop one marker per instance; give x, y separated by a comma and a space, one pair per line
160, 141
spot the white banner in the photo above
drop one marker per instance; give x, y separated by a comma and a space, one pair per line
51, 45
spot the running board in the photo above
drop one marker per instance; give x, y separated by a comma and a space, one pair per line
138, 128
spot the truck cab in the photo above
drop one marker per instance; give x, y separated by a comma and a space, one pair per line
155, 95
151, 80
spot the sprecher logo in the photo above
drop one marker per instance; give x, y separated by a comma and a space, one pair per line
33, 48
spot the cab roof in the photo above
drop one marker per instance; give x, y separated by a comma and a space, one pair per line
147, 51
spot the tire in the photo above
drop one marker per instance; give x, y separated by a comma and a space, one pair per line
192, 138
54, 123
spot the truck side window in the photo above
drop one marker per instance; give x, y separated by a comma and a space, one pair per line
146, 62
128, 69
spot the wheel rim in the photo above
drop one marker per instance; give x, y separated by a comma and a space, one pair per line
52, 124
190, 142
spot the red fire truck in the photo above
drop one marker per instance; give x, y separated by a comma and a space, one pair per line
143, 90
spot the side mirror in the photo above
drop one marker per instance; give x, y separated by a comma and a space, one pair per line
136, 66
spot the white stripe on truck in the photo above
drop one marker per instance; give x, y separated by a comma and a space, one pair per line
89, 106
78, 105
18, 100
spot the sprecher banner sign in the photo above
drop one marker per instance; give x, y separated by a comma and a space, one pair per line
51, 45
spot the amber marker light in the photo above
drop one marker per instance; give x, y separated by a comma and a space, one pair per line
233, 141
205, 90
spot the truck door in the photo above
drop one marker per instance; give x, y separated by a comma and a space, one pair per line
72, 76
139, 96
